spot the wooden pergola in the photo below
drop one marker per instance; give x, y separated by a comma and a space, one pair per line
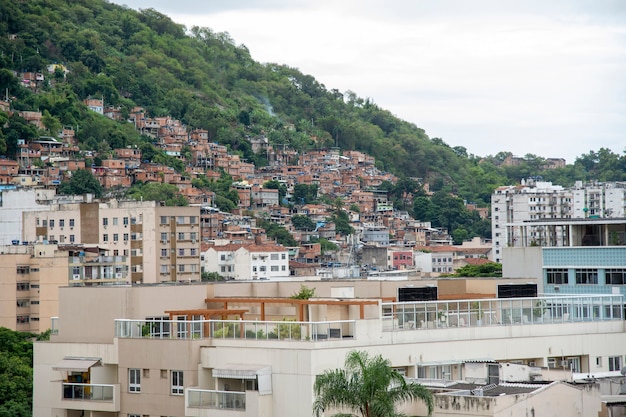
299, 304
206, 313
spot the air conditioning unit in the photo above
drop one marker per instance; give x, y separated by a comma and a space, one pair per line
75, 276
531, 363
118, 275
564, 363
164, 241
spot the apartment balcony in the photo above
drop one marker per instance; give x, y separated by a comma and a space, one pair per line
208, 403
90, 397
424, 315
236, 330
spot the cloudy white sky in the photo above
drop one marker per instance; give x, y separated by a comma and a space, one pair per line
546, 77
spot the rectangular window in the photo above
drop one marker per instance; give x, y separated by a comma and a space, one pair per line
193, 219
615, 363
71, 222
72, 238
282, 268
51, 222
223, 268
181, 268
163, 253
586, 276
164, 219
263, 269
181, 251
116, 237
274, 256
125, 237
193, 251
125, 221
615, 276
163, 237
62, 223
556, 276
274, 268
134, 380
105, 237
105, 221
177, 383
222, 257
181, 236
180, 220
114, 221
193, 235
165, 269
282, 256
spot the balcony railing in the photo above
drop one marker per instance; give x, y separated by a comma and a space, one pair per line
501, 311
235, 329
226, 400
88, 392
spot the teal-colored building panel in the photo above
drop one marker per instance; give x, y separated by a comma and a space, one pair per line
585, 257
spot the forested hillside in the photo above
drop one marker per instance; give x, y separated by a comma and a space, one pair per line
207, 81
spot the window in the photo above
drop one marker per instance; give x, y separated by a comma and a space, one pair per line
164, 219
586, 276
125, 221
194, 268
23, 302
193, 220
180, 220
105, 221
116, 237
193, 235
254, 269
23, 286
105, 237
177, 383
125, 237
274, 268
44, 223
282, 268
282, 256
181, 251
615, 363
222, 257
114, 221
223, 268
51, 223
163, 253
134, 380
556, 276
165, 269
22, 319
193, 252
181, 268
62, 223
72, 238
181, 236
274, 256
164, 237
262, 269
71, 222
615, 276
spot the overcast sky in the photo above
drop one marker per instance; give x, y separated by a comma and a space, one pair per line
546, 77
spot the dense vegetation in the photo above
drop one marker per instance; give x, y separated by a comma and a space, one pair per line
141, 58
16, 372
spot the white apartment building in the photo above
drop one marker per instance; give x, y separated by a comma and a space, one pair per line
14, 202
161, 243
209, 350
250, 261
512, 206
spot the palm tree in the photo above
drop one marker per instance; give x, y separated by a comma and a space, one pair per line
368, 387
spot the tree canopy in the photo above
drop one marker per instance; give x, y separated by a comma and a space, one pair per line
366, 386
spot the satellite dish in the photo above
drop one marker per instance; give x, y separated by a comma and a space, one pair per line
623, 371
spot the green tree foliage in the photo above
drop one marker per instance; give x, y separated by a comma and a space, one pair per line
304, 293
211, 276
490, 269
304, 193
278, 233
157, 191
81, 182
16, 373
302, 222
367, 387
342, 223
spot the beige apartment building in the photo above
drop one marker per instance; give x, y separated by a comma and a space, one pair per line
248, 349
31, 275
161, 244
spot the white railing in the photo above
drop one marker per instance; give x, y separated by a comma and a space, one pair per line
88, 392
501, 311
227, 400
235, 329
54, 325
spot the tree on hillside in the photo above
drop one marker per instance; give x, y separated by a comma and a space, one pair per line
156, 191
81, 182
367, 387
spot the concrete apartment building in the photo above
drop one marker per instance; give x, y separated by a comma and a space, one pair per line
247, 261
161, 244
30, 276
221, 349
14, 202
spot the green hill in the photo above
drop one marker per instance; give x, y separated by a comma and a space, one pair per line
207, 81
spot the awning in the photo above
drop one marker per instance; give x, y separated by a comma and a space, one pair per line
75, 365
262, 373
240, 371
